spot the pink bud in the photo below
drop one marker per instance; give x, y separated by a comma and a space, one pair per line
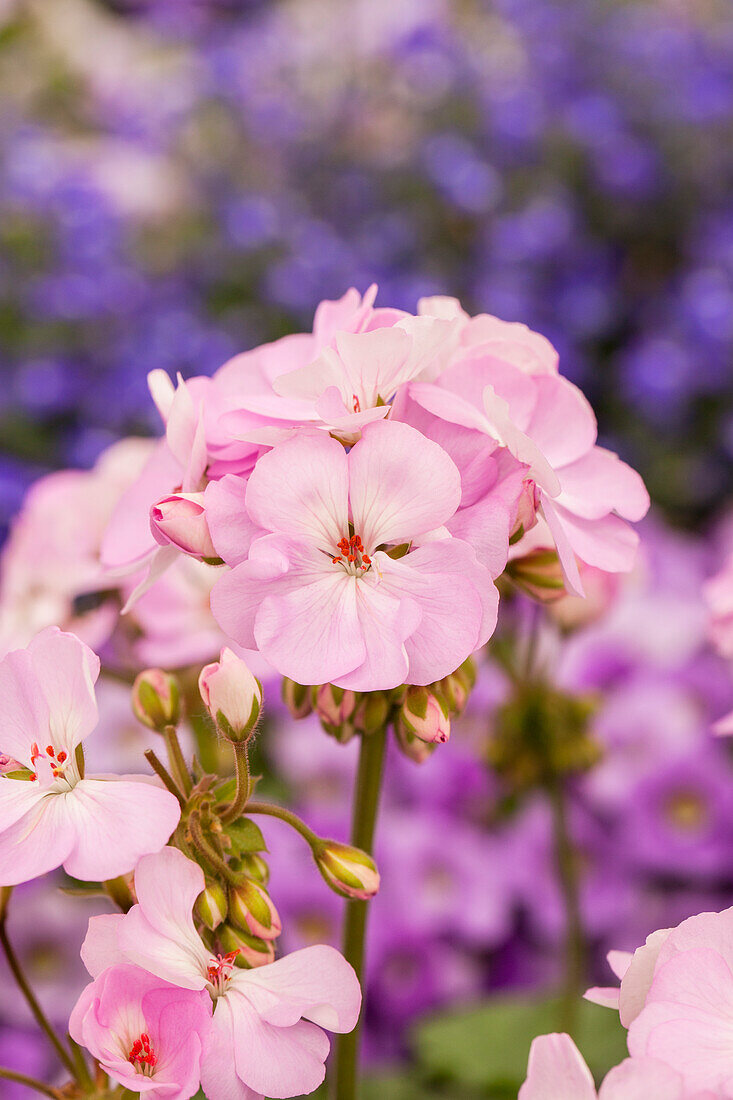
334, 705
156, 699
526, 517
424, 714
180, 520
250, 951
348, 871
232, 695
251, 909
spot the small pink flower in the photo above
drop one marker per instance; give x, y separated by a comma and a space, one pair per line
146, 1034
179, 520
265, 1036
97, 827
557, 1071
357, 582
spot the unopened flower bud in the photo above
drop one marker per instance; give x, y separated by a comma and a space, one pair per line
372, 712
211, 905
156, 699
253, 866
334, 705
232, 695
526, 517
424, 713
418, 751
538, 574
180, 520
251, 951
297, 698
348, 871
251, 909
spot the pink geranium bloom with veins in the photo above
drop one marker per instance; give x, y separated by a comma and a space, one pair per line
51, 814
356, 580
265, 1037
557, 1071
146, 1034
502, 385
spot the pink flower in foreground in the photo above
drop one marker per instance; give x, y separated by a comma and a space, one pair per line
557, 1071
265, 1037
147, 1035
507, 392
50, 814
676, 998
357, 582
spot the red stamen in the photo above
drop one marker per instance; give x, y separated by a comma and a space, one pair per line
35, 751
357, 406
32, 777
49, 750
366, 559
336, 560
61, 757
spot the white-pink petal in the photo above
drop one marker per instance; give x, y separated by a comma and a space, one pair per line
556, 1071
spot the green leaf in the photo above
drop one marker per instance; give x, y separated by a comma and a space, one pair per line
487, 1045
245, 836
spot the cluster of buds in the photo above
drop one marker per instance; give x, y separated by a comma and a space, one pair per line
232, 695
541, 735
156, 699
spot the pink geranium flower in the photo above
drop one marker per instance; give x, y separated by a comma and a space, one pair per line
146, 1034
502, 386
356, 581
265, 1037
50, 813
557, 1071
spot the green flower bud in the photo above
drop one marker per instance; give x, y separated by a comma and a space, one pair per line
211, 905
156, 699
348, 871
251, 909
250, 951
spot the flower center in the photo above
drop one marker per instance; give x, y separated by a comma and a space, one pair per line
219, 970
142, 1056
56, 762
352, 556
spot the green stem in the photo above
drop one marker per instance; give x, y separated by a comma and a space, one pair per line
23, 985
206, 742
216, 863
566, 861
29, 1082
82, 1069
364, 820
285, 815
176, 760
118, 890
162, 774
241, 764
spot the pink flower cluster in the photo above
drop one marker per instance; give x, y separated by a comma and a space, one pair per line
367, 482
676, 999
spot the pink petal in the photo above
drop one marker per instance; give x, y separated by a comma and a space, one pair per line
449, 406
605, 996
385, 623
219, 1079
374, 363
101, 948
116, 822
556, 521
638, 977
158, 562
563, 424
26, 716
231, 528
608, 543
619, 961
349, 313
127, 537
641, 1079
300, 489
237, 596
556, 1071
315, 983
400, 484
36, 843
523, 446
276, 1061
457, 600
599, 483
66, 671
487, 524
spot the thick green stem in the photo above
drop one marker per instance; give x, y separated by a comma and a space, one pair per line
29, 1082
24, 986
285, 815
176, 760
236, 808
364, 819
566, 860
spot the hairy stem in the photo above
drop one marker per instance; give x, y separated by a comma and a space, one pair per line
364, 819
176, 760
216, 863
285, 815
24, 986
163, 775
241, 764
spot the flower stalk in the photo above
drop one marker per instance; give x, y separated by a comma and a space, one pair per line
364, 819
